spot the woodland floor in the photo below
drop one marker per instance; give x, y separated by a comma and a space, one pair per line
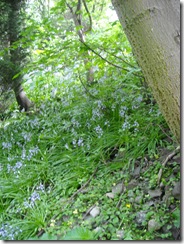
76, 170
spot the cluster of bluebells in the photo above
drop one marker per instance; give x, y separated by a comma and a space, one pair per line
99, 131
6, 145
8, 232
96, 114
126, 125
122, 111
31, 153
11, 158
137, 102
40, 188
100, 105
79, 143
97, 111
75, 123
34, 197
158, 113
15, 169
135, 125
26, 136
24, 155
65, 102
118, 97
34, 123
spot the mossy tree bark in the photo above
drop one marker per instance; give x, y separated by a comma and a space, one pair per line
153, 30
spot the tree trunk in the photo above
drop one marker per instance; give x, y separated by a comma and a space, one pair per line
22, 100
153, 30
76, 15
16, 54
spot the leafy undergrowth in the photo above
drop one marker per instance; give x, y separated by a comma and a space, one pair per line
63, 159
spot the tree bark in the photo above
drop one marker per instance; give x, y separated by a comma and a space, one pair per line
22, 100
81, 33
153, 30
16, 54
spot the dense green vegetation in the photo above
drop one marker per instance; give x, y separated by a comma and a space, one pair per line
81, 139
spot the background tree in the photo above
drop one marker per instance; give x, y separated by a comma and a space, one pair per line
152, 28
83, 27
12, 53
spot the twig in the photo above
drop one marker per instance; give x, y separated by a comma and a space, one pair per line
118, 58
85, 87
170, 156
121, 194
89, 16
78, 191
165, 133
40, 233
88, 211
117, 66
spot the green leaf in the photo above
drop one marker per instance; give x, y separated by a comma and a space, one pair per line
45, 236
176, 216
17, 75
79, 233
128, 236
79, 27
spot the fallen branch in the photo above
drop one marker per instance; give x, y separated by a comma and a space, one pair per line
88, 211
82, 187
77, 192
121, 194
170, 156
